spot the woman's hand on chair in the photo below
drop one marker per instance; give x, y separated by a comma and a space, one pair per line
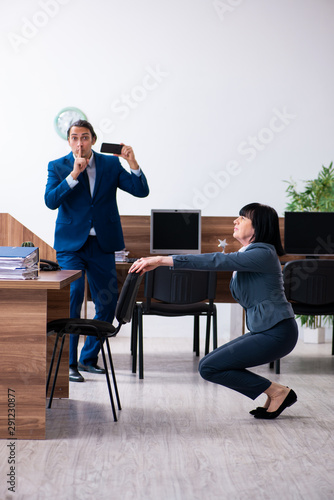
146, 264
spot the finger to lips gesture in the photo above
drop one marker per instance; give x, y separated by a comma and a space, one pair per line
80, 163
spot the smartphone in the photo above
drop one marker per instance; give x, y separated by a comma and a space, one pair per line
111, 148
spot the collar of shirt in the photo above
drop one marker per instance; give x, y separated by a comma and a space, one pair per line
91, 163
242, 249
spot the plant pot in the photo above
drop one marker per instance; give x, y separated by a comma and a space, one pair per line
314, 335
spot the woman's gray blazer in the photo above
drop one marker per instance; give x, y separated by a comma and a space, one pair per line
257, 285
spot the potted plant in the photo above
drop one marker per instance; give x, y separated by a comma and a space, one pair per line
313, 329
317, 196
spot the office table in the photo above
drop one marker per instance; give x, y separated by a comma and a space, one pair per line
25, 308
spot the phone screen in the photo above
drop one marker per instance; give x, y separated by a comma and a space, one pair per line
111, 148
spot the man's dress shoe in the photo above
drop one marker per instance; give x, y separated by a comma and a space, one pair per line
75, 376
91, 368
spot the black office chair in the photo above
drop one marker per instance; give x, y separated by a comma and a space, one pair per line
100, 329
179, 293
309, 286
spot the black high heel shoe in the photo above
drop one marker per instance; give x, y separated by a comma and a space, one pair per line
290, 399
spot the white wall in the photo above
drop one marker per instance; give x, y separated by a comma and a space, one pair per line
221, 100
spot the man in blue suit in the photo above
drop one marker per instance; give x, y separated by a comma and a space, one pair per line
83, 186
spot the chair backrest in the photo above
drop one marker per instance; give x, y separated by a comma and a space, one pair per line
180, 286
127, 298
310, 281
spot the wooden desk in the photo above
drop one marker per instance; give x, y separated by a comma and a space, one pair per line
25, 308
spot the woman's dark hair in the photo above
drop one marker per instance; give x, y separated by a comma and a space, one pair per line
83, 124
265, 223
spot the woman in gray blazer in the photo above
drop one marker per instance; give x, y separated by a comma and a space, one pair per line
257, 284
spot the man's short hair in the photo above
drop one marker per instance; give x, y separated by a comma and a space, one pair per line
83, 124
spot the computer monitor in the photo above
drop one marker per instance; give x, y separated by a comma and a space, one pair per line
309, 233
175, 232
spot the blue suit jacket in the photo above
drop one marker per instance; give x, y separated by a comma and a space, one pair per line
257, 284
78, 210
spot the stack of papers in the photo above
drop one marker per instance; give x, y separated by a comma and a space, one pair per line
19, 263
121, 256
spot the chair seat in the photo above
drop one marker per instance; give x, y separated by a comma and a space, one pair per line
310, 309
178, 309
82, 326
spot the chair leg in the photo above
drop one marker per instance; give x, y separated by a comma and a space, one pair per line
215, 330
56, 371
133, 324
196, 335
134, 338
278, 366
51, 364
140, 343
207, 337
108, 380
271, 364
113, 375
333, 338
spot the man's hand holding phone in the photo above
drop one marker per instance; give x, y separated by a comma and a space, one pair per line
121, 150
129, 156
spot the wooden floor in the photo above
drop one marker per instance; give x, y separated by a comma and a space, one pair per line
179, 437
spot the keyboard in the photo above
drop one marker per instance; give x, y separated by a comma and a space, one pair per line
131, 259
